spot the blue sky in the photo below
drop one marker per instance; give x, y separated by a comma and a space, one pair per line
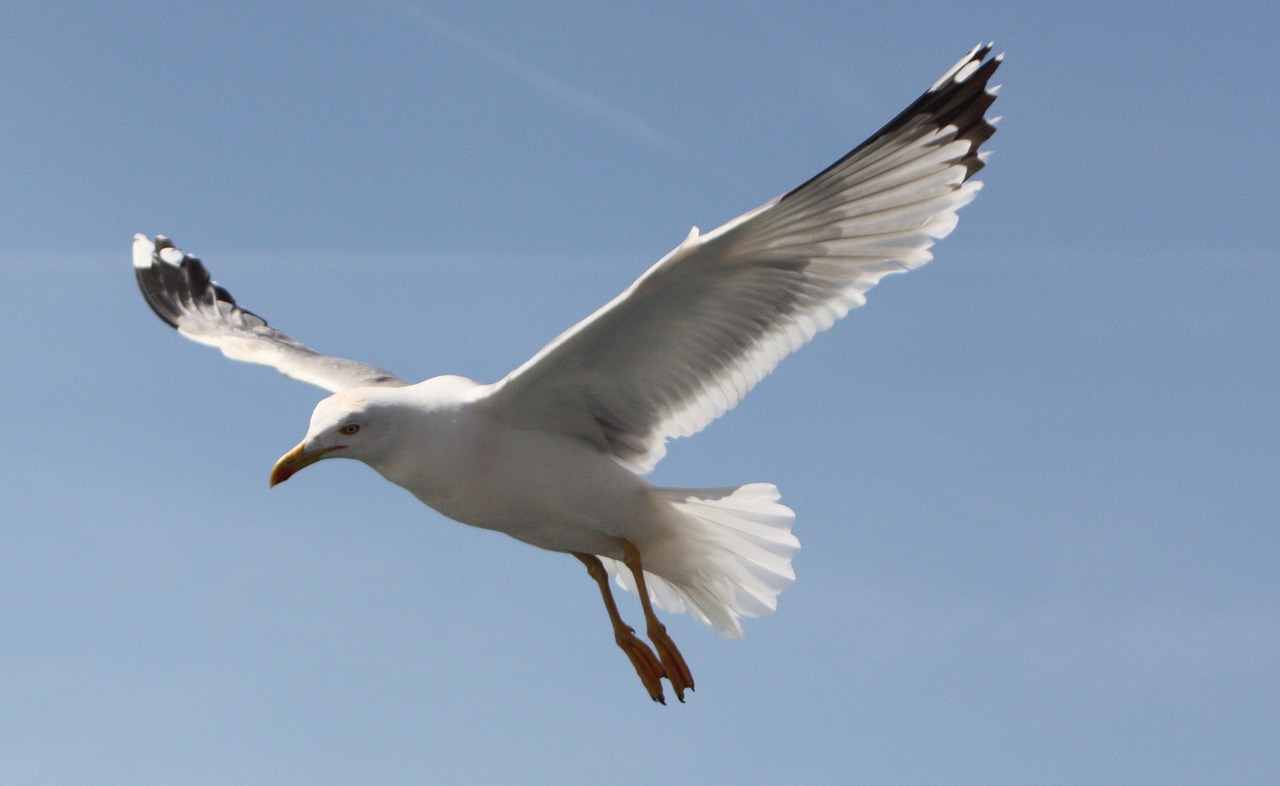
1035, 480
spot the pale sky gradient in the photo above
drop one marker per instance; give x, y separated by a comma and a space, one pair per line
1036, 481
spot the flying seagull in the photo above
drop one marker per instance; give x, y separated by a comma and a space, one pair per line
554, 453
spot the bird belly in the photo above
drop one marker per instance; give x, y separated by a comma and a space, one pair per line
552, 491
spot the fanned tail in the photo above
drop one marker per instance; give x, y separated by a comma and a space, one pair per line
731, 561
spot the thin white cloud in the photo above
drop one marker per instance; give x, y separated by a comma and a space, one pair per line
577, 99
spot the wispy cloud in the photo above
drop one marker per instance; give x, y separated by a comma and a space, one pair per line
575, 98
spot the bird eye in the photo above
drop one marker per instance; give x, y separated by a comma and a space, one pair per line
350, 429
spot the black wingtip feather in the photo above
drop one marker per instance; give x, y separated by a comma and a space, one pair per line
950, 102
175, 289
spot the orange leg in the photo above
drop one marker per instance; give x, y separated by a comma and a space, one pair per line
672, 661
642, 658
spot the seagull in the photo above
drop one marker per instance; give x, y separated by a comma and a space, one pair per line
555, 453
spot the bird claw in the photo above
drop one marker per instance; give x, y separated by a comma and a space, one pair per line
668, 663
646, 664
674, 667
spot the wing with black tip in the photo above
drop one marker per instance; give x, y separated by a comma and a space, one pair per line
696, 332
178, 288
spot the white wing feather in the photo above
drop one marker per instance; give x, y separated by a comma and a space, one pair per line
695, 333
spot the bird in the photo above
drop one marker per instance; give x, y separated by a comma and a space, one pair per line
555, 453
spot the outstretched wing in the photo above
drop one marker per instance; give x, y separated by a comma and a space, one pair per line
179, 290
697, 331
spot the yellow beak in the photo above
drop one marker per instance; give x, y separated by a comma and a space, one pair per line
297, 459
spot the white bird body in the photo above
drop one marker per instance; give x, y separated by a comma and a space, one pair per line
553, 454
722, 552
546, 489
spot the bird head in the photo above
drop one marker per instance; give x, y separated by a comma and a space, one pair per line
345, 425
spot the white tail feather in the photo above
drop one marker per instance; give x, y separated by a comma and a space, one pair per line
731, 560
